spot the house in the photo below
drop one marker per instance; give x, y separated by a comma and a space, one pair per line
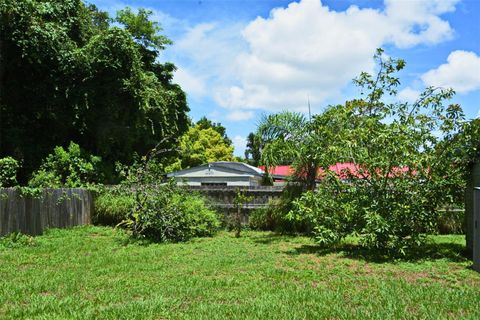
221, 173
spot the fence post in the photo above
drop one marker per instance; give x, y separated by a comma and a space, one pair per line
476, 229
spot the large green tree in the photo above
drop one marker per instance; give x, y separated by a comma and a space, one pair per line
199, 146
400, 165
205, 123
68, 74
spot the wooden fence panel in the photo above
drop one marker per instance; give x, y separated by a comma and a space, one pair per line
54, 208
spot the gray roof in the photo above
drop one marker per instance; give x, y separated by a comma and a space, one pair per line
239, 167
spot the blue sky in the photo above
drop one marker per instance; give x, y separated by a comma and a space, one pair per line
240, 59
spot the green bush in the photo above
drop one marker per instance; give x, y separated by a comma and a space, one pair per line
66, 168
262, 219
166, 213
275, 217
451, 222
112, 207
8, 172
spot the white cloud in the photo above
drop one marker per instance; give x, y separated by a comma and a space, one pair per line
408, 94
239, 115
192, 84
416, 22
304, 51
239, 143
461, 72
308, 50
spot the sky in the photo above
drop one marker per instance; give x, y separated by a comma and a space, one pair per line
239, 60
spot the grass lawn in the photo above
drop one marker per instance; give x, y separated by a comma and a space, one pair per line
97, 273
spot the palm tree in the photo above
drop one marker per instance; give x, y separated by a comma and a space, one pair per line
287, 138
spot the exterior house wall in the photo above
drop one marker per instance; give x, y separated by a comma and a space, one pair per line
216, 174
230, 181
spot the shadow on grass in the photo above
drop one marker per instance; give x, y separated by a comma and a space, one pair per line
452, 252
272, 238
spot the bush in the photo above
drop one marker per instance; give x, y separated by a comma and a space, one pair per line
166, 213
262, 219
112, 207
275, 217
451, 221
66, 168
8, 172
330, 214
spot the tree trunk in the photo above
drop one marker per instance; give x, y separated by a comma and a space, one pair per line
238, 221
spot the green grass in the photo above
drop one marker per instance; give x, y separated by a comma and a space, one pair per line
97, 273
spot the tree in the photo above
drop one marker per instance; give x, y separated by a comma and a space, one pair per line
205, 123
253, 150
199, 146
400, 165
288, 139
73, 76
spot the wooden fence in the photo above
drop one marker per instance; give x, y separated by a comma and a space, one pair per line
53, 208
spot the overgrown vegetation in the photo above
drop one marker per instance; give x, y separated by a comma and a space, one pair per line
8, 172
70, 168
167, 213
69, 72
150, 209
112, 206
399, 170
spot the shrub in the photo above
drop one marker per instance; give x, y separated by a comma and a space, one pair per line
66, 168
112, 206
166, 213
330, 214
262, 219
451, 222
8, 172
275, 217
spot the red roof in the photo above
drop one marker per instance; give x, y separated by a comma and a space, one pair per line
343, 170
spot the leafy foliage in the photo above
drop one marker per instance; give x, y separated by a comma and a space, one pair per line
253, 153
199, 146
17, 240
66, 168
112, 206
205, 123
73, 74
399, 166
276, 216
288, 139
161, 212
8, 172
167, 213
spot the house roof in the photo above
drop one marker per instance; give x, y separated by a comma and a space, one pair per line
235, 168
343, 170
